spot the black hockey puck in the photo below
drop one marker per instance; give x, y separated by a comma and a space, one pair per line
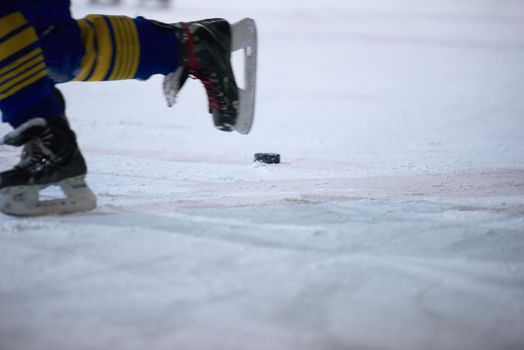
268, 158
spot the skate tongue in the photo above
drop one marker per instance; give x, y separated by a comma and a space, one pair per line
173, 83
25, 132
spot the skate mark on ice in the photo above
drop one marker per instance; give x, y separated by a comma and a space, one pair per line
461, 184
346, 244
198, 227
164, 156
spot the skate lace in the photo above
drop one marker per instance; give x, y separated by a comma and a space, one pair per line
35, 152
213, 92
32, 154
215, 96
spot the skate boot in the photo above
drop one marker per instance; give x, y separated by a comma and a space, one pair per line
50, 156
205, 53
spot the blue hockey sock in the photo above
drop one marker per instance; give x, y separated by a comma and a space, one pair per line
118, 47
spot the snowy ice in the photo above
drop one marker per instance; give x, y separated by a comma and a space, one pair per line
395, 221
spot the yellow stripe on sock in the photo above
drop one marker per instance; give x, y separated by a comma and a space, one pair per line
127, 37
105, 48
22, 60
11, 22
14, 82
133, 45
128, 48
135, 52
27, 65
17, 43
121, 48
32, 79
88, 61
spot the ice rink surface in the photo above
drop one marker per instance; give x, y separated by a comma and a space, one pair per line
396, 220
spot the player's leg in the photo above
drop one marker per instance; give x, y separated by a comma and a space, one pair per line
31, 104
119, 47
107, 48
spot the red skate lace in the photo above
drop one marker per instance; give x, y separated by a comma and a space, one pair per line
197, 73
211, 89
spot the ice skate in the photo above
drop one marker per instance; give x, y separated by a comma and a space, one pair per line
50, 157
205, 49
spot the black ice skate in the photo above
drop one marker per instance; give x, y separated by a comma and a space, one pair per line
205, 53
50, 156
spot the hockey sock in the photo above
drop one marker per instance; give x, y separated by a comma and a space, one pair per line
26, 91
119, 47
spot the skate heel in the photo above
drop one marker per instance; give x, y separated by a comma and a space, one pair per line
244, 37
78, 194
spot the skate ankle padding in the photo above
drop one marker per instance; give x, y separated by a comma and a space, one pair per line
25, 132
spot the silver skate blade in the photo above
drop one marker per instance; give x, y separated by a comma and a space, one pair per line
244, 37
24, 200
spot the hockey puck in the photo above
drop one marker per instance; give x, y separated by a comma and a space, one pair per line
267, 158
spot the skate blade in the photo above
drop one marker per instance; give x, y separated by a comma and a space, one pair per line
24, 200
244, 37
